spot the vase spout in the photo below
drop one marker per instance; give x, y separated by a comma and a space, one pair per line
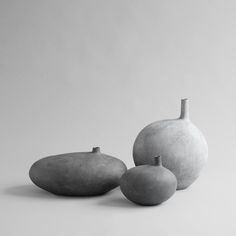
184, 114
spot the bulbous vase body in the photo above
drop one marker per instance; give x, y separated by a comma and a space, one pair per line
181, 144
148, 184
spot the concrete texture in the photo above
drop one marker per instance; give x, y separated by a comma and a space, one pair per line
148, 184
181, 144
78, 174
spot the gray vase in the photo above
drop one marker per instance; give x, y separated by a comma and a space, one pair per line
148, 184
181, 144
78, 173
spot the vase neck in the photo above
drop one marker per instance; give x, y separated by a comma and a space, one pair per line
184, 114
96, 150
158, 161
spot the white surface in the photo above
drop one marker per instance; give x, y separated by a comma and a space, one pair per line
78, 74
207, 208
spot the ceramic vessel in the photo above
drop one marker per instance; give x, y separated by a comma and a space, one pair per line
148, 184
181, 144
78, 174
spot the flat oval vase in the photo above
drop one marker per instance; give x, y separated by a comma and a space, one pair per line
78, 174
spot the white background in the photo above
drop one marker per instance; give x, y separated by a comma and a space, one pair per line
78, 74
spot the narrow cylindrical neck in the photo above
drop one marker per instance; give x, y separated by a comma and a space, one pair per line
184, 109
158, 161
96, 150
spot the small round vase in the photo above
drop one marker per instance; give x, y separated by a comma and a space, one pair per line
148, 184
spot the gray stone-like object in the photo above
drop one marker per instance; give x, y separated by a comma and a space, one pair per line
181, 144
78, 174
148, 184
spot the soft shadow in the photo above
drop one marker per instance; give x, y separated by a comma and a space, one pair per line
124, 203
184, 190
29, 191
113, 199
117, 202
116, 199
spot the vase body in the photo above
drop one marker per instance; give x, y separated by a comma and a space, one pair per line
181, 144
148, 184
78, 174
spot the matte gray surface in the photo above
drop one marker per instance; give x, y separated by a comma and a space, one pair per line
181, 144
80, 73
148, 185
78, 174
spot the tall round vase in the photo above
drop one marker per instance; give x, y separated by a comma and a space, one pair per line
181, 144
